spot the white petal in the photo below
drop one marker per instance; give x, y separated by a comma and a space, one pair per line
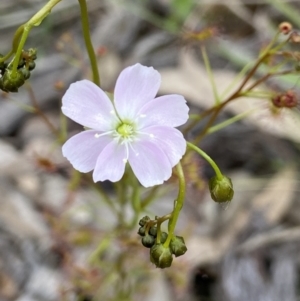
83, 149
136, 86
169, 110
149, 163
169, 140
111, 163
85, 103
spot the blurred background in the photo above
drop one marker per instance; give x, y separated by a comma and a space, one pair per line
57, 242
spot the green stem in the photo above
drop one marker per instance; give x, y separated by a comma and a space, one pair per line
135, 200
88, 41
230, 121
15, 44
177, 206
25, 29
210, 75
208, 159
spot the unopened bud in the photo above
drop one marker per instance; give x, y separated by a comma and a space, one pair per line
142, 231
161, 256
153, 231
178, 246
221, 190
163, 237
11, 81
32, 53
144, 220
25, 72
148, 241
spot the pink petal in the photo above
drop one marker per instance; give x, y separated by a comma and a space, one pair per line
88, 105
83, 149
169, 110
135, 86
149, 163
111, 163
169, 140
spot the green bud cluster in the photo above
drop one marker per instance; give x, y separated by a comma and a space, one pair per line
160, 255
148, 239
11, 81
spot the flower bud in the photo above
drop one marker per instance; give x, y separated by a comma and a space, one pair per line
142, 231
144, 220
285, 27
161, 256
31, 65
12, 81
26, 73
163, 237
32, 53
153, 231
221, 191
148, 241
178, 246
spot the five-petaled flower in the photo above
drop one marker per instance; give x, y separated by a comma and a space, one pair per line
136, 128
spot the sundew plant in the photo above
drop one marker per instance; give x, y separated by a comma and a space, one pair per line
136, 139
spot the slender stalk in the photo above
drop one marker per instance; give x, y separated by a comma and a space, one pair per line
268, 75
228, 122
88, 41
208, 159
25, 29
210, 75
135, 200
177, 206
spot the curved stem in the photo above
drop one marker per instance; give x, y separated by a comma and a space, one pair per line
20, 48
177, 206
88, 41
25, 28
208, 159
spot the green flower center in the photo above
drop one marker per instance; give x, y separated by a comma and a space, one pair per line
125, 130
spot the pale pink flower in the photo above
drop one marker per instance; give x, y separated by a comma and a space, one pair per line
136, 128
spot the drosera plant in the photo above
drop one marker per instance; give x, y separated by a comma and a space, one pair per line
130, 137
